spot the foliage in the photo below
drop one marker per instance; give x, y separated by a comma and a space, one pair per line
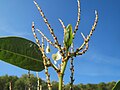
21, 52
22, 83
55, 85
117, 86
68, 37
5, 80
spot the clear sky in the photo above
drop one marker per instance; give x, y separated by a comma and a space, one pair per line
102, 61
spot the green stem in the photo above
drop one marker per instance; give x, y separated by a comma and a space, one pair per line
64, 66
50, 88
60, 81
61, 75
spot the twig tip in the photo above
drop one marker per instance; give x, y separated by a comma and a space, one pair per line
83, 35
96, 12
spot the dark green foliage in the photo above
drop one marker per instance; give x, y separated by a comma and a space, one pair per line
100, 86
55, 85
21, 52
5, 80
19, 85
117, 86
23, 82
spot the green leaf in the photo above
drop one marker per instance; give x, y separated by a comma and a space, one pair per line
117, 86
21, 52
68, 38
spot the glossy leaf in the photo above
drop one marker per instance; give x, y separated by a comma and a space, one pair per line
21, 52
68, 38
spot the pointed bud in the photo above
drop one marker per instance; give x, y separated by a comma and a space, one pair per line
96, 12
83, 36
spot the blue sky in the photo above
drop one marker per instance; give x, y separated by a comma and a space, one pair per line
102, 61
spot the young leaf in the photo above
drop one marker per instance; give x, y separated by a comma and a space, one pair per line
68, 37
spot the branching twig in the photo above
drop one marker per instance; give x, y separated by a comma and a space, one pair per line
35, 36
43, 56
49, 41
46, 60
65, 54
42, 50
64, 28
72, 69
78, 20
83, 51
50, 29
46, 67
94, 25
46, 21
62, 25
90, 34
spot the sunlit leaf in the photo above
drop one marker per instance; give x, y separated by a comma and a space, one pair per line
21, 52
68, 38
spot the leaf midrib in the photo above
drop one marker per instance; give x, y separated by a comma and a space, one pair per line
21, 55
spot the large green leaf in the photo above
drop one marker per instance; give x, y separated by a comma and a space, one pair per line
21, 52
